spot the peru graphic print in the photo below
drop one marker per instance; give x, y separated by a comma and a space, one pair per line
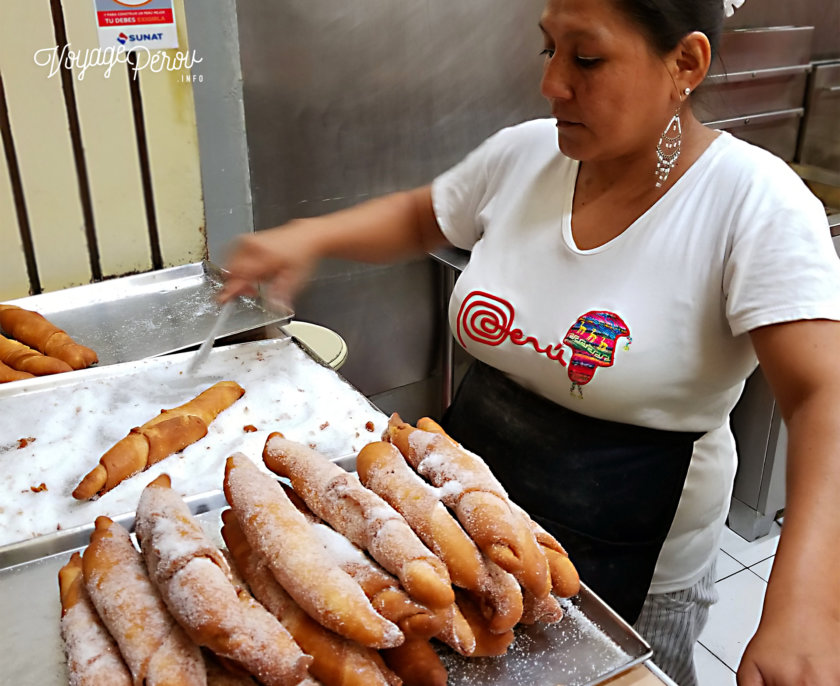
487, 319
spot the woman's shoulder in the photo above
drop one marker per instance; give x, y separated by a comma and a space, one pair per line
531, 144
533, 133
741, 159
749, 173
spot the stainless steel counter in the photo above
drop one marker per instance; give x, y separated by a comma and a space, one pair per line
144, 315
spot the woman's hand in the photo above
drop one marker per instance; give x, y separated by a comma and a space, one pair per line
797, 646
282, 257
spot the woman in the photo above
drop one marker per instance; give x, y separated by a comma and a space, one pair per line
628, 265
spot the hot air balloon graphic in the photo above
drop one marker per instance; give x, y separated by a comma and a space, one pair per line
593, 339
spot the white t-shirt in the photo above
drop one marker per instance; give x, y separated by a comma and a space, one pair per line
650, 328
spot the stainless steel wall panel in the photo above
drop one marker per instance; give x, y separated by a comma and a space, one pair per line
820, 144
388, 316
763, 47
777, 132
757, 88
767, 92
823, 15
347, 101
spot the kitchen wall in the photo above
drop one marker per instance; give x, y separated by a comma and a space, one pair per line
823, 15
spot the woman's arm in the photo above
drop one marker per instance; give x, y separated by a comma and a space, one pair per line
798, 638
385, 229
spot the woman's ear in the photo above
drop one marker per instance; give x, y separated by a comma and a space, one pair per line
691, 60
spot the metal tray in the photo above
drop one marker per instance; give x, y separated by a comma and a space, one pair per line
144, 315
589, 646
53, 429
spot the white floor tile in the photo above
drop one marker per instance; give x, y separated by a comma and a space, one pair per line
763, 568
734, 619
710, 670
726, 566
749, 553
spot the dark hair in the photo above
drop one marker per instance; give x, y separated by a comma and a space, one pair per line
667, 22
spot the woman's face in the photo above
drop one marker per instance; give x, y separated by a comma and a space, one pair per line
611, 95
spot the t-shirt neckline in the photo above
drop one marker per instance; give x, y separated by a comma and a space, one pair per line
568, 238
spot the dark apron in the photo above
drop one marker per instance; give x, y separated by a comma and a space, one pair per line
607, 491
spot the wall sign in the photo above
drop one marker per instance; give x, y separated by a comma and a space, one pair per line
134, 23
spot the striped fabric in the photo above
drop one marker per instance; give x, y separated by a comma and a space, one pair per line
672, 622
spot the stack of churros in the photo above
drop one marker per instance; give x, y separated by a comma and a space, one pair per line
337, 579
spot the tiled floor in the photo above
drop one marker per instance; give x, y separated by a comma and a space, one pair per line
742, 572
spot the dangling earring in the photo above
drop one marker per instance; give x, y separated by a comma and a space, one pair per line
668, 147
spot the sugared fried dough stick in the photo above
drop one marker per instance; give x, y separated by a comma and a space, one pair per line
416, 663
456, 632
487, 643
171, 431
382, 589
194, 580
36, 331
338, 498
382, 468
541, 610
93, 658
279, 531
7, 374
481, 504
337, 660
152, 643
565, 581
23, 358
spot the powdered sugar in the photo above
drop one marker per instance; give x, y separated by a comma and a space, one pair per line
92, 653
68, 423
278, 531
587, 653
452, 469
338, 547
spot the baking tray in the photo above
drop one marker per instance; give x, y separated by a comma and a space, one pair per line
589, 646
53, 429
144, 315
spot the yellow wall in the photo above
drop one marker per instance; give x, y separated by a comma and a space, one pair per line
48, 171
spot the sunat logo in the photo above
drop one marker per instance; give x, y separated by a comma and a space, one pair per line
122, 39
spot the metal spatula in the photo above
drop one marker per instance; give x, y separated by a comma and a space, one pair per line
200, 356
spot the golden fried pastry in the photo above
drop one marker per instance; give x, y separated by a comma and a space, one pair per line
171, 431
339, 498
93, 658
154, 646
416, 663
195, 581
383, 469
337, 660
275, 528
21, 357
36, 331
468, 487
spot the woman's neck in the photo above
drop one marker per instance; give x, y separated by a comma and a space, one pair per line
633, 176
611, 195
